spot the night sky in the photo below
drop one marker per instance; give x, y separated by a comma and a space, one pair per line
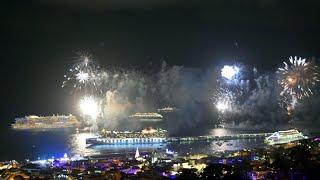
39, 39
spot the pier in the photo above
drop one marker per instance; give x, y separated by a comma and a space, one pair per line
212, 137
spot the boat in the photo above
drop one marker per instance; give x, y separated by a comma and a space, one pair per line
281, 137
146, 136
147, 117
55, 121
167, 110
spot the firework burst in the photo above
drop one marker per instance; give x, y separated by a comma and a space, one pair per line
89, 106
231, 74
229, 71
298, 78
84, 60
225, 102
84, 74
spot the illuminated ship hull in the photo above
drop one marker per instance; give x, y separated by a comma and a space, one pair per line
35, 122
146, 136
282, 137
167, 110
146, 117
111, 141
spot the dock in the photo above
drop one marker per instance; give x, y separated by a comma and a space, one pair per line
225, 137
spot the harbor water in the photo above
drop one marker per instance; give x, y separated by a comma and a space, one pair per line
48, 143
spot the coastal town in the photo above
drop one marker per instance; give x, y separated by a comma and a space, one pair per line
160, 89
293, 160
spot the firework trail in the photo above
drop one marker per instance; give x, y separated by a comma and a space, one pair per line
288, 102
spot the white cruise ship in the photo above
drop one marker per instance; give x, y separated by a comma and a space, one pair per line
281, 137
146, 136
147, 117
55, 121
167, 110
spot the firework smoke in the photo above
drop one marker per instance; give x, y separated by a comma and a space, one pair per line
254, 100
120, 92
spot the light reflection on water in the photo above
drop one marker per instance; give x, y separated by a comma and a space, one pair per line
226, 131
214, 146
77, 145
34, 144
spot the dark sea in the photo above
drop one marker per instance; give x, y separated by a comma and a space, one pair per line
47, 143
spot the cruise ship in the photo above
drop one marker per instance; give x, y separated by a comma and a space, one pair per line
146, 136
55, 121
167, 110
281, 137
147, 117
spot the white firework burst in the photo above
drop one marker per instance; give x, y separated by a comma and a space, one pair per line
233, 76
229, 71
82, 77
225, 103
84, 60
224, 100
89, 106
84, 74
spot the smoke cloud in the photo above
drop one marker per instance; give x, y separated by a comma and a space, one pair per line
126, 91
